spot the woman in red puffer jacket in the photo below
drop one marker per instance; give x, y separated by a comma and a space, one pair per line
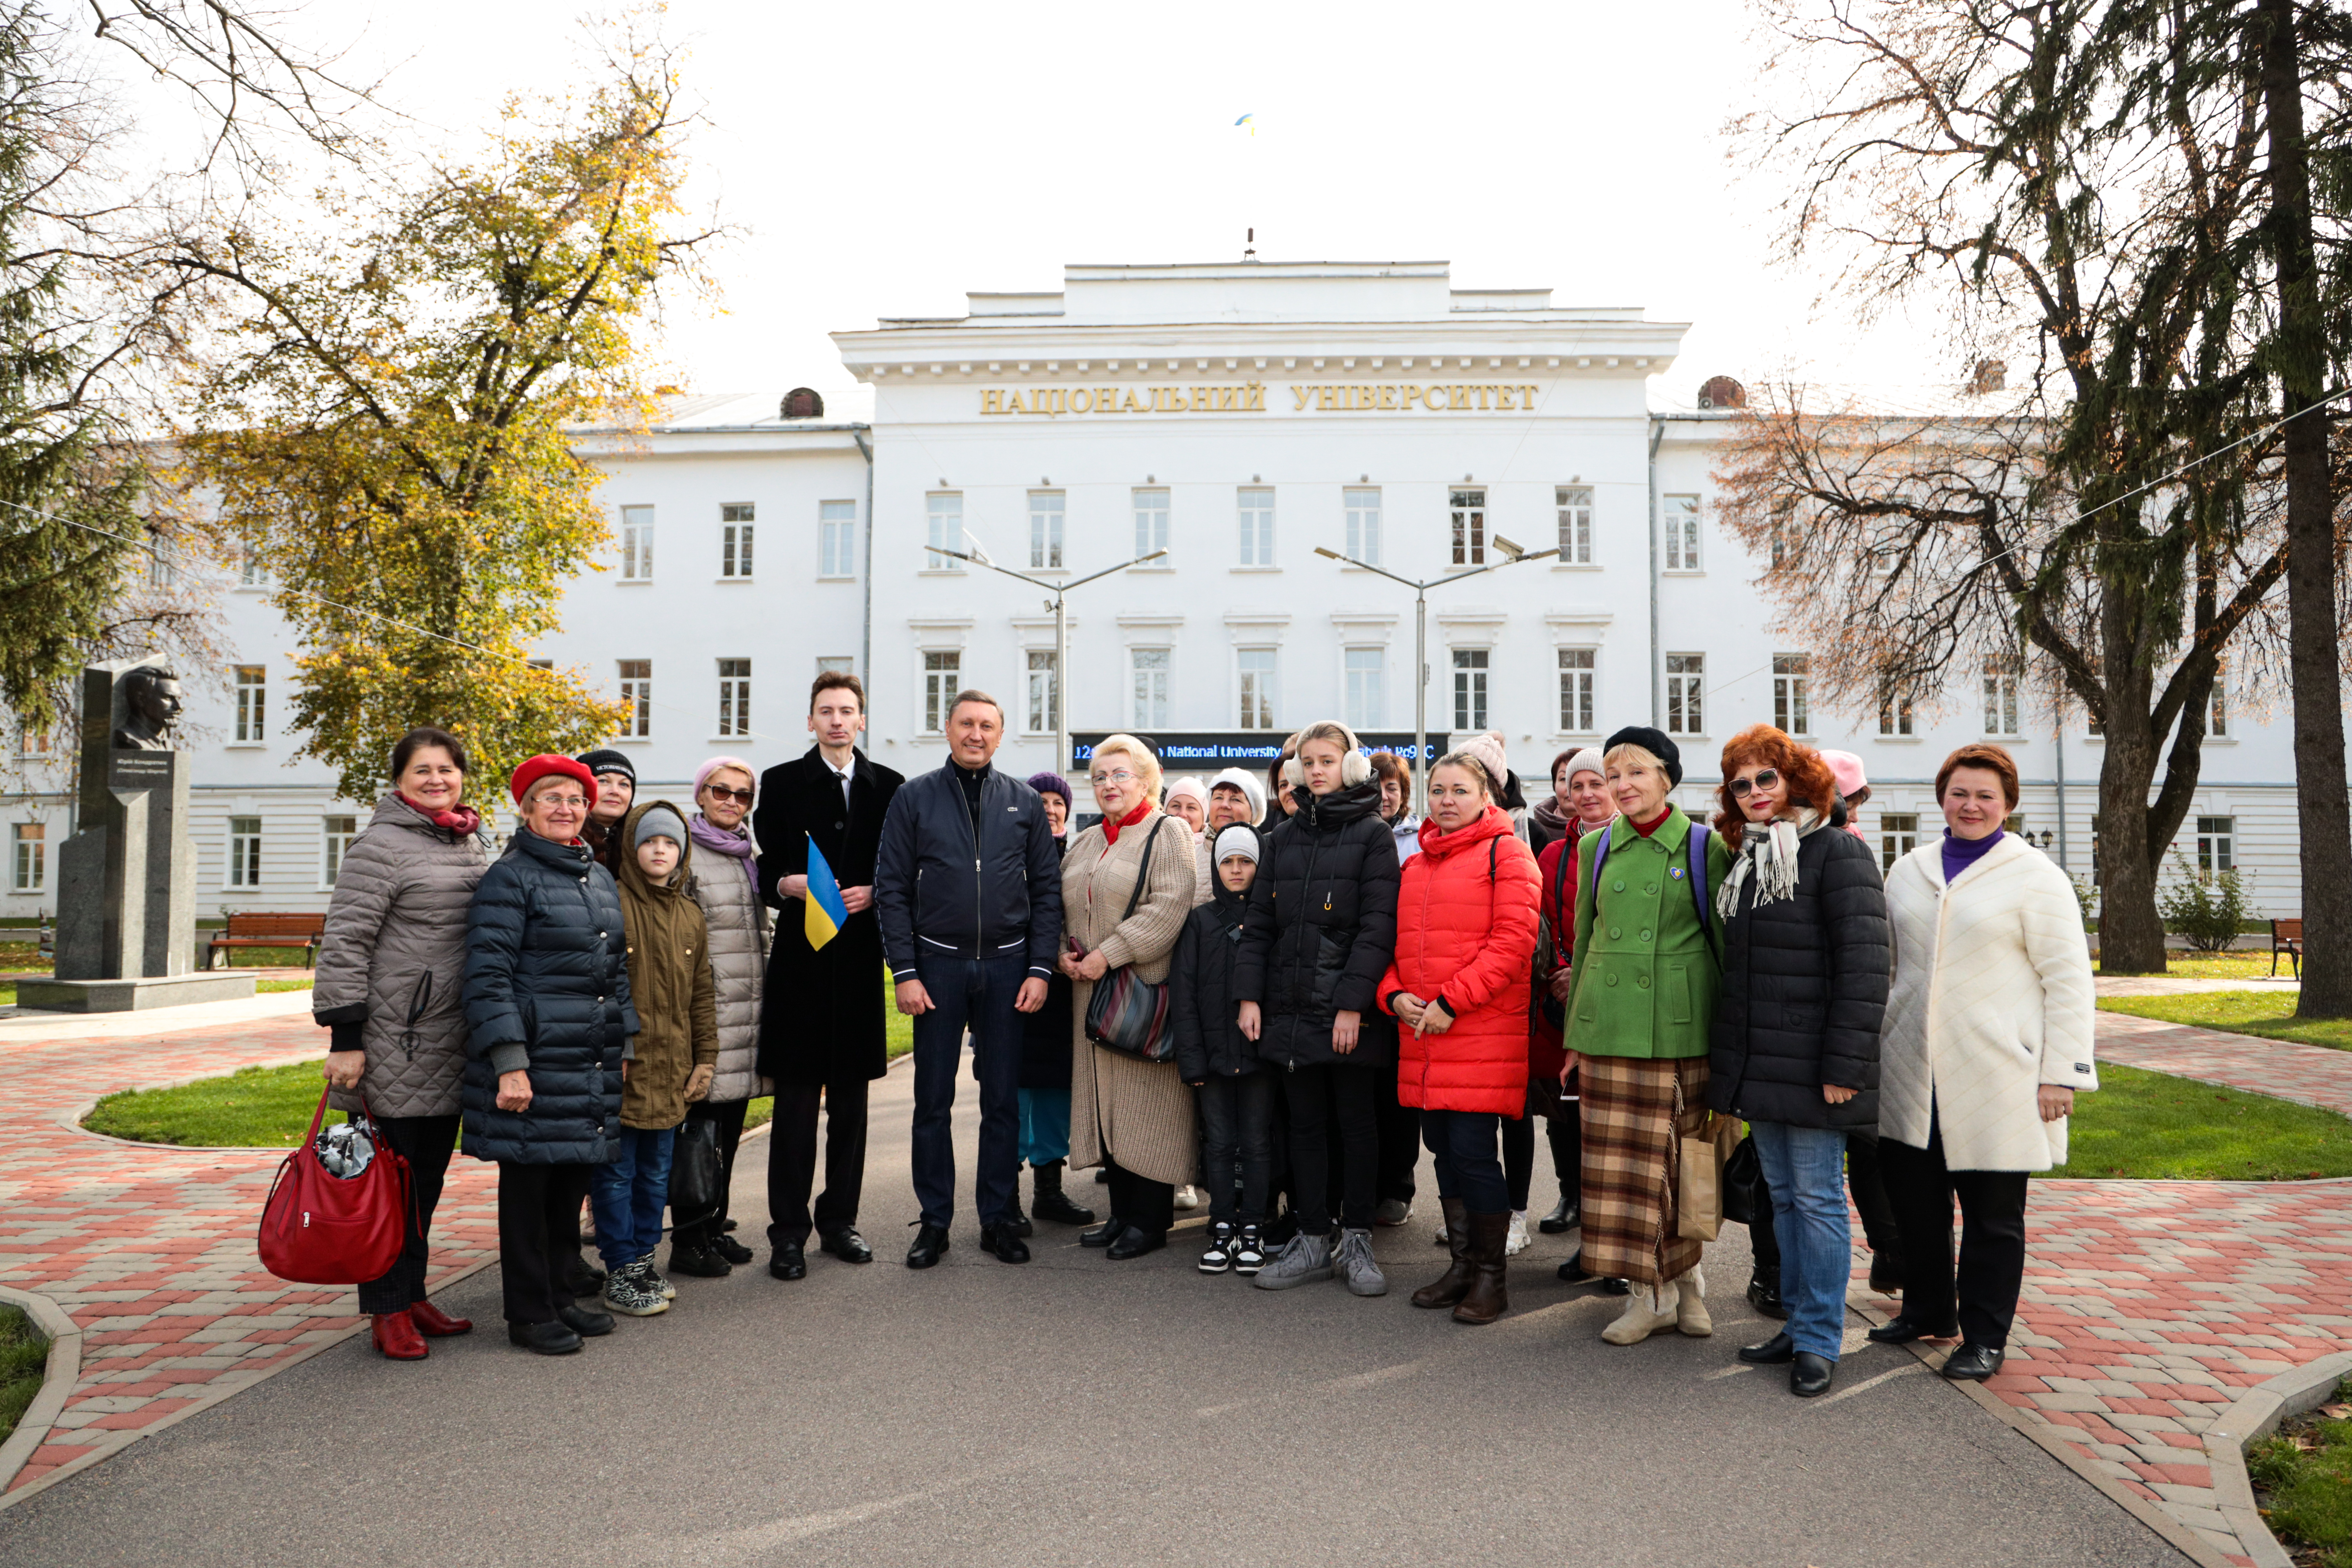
1458, 985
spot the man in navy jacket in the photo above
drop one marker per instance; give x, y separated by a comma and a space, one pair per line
969, 892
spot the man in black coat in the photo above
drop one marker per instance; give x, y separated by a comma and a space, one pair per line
821, 1020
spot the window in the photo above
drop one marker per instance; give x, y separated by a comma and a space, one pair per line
1468, 510
2217, 845
1255, 666
637, 697
1045, 531
1576, 691
1363, 507
32, 742
252, 702
28, 857
1575, 505
339, 832
2217, 705
250, 571
1784, 538
245, 851
734, 698
836, 664
1151, 524
1469, 689
1899, 835
1894, 712
1999, 698
1257, 527
945, 511
735, 539
942, 672
836, 533
2015, 822
1682, 533
1685, 694
1039, 709
1149, 668
636, 544
160, 572
1366, 694
1792, 705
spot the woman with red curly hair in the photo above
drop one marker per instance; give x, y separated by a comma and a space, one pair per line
1795, 1042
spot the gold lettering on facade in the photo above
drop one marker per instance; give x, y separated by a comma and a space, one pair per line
1303, 394
1250, 398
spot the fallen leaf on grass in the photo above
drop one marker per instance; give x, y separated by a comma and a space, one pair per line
2336, 1412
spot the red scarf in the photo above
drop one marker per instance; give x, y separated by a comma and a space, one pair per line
1646, 828
1111, 828
461, 822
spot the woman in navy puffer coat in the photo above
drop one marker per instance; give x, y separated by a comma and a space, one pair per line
549, 1025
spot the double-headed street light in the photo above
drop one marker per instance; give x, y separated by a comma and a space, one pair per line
1061, 632
1513, 556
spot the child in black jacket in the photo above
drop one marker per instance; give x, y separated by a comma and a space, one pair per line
1234, 1091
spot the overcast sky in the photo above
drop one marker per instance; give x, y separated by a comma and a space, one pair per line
882, 159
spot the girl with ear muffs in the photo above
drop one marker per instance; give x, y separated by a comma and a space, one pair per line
1319, 933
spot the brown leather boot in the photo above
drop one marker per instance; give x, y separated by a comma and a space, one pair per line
1486, 1299
1454, 1283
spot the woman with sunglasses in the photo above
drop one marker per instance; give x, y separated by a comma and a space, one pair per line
1795, 1042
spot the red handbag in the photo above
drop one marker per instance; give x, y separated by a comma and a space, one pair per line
320, 1228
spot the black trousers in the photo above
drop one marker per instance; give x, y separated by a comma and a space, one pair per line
1398, 1126
728, 1120
1866, 1180
1145, 1204
539, 1213
1325, 1101
426, 1143
1564, 1133
1993, 1240
791, 1160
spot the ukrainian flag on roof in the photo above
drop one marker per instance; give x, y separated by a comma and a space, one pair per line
826, 914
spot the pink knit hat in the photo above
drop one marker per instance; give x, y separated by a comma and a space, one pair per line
1846, 768
702, 774
1488, 749
1191, 786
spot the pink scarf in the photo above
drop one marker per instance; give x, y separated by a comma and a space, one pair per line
461, 822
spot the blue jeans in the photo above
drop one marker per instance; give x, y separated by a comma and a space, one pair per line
1044, 1126
1806, 1168
977, 994
1468, 1166
629, 1195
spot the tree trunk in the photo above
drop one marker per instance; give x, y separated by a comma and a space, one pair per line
2326, 819
2131, 933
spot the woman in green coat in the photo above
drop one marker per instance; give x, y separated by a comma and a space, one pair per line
1641, 1006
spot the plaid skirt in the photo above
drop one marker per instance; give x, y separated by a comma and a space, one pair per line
1631, 1164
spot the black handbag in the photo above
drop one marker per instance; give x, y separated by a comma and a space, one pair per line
1127, 1012
1743, 1173
694, 1172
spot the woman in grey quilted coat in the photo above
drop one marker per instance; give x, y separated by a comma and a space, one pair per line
737, 917
390, 990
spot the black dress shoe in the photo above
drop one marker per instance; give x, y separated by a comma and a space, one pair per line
728, 1225
698, 1262
1135, 1243
1810, 1375
547, 1339
847, 1245
790, 1262
584, 1282
1973, 1363
931, 1241
1104, 1234
585, 1322
732, 1250
1765, 1296
1004, 1241
1901, 1331
1573, 1272
1771, 1353
1885, 1273
1020, 1225
1056, 1208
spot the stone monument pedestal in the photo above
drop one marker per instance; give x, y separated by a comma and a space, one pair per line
135, 994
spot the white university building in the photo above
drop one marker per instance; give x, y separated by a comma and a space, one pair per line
1238, 416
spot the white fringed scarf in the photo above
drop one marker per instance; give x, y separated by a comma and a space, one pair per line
1769, 850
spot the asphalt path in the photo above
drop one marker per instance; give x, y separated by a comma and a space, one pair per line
1078, 1411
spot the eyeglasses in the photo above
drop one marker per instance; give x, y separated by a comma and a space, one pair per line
1117, 775
723, 793
1764, 779
576, 802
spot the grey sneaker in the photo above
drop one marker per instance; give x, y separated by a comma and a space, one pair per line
1354, 1264
1393, 1211
1305, 1259
651, 1278
626, 1292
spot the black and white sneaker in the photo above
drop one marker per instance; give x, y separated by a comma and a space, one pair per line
1248, 1251
1219, 1258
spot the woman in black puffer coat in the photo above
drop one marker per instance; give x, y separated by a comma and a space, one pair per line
1795, 1044
1320, 932
549, 1026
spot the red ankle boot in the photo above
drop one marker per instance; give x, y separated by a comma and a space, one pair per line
435, 1325
397, 1337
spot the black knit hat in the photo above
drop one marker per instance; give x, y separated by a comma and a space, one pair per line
610, 762
1652, 741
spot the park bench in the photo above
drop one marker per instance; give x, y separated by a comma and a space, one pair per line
2286, 937
260, 927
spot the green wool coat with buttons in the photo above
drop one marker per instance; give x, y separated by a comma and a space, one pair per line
1645, 975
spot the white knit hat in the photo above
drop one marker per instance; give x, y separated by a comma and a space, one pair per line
1237, 840
1250, 785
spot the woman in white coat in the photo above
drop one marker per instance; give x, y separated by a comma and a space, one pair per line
1987, 1040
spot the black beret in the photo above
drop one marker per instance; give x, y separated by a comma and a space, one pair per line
1652, 741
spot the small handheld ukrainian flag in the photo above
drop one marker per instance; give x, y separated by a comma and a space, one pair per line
826, 914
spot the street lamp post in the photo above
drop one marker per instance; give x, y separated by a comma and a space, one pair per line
1061, 633
1421, 627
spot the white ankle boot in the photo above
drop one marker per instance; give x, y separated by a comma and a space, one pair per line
1690, 1308
1648, 1310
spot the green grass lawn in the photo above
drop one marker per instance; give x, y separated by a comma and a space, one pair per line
269, 1108
2147, 1125
2269, 1013
2234, 965
2303, 1475
23, 1355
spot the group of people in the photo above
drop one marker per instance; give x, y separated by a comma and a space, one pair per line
1271, 993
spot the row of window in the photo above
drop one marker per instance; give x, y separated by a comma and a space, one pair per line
836, 541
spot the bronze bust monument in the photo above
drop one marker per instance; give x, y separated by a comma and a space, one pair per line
150, 701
